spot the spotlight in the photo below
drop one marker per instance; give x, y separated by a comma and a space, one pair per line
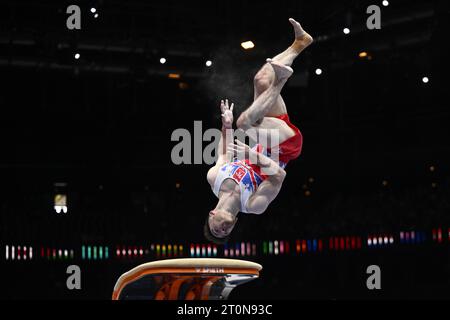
363, 54
96, 15
318, 71
425, 79
208, 63
162, 60
247, 45
77, 56
93, 10
346, 30
385, 3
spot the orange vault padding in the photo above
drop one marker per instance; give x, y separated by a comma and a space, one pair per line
185, 279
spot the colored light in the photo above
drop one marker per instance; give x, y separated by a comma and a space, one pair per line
363, 54
66, 254
89, 253
7, 253
265, 249
304, 248
231, 252
83, 253
198, 251
369, 242
249, 248
30, 253
192, 250
270, 247
24, 253
298, 247
254, 248
95, 252
281, 247
203, 251
106, 252
18, 253
13, 252
215, 251
243, 248
100, 252
225, 252
209, 251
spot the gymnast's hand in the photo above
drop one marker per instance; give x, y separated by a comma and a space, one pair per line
241, 151
227, 114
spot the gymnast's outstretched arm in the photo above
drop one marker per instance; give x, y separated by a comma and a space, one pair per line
225, 139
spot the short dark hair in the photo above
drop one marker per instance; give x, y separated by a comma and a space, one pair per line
210, 237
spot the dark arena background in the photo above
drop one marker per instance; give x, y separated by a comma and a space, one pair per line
87, 117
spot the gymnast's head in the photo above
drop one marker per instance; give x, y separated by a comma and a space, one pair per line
219, 225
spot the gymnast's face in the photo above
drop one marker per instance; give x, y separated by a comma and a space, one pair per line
221, 223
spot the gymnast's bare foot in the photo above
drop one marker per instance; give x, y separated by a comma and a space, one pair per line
302, 38
282, 72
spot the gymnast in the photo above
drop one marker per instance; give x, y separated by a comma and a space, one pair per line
242, 183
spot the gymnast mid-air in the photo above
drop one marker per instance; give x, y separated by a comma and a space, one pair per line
240, 183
